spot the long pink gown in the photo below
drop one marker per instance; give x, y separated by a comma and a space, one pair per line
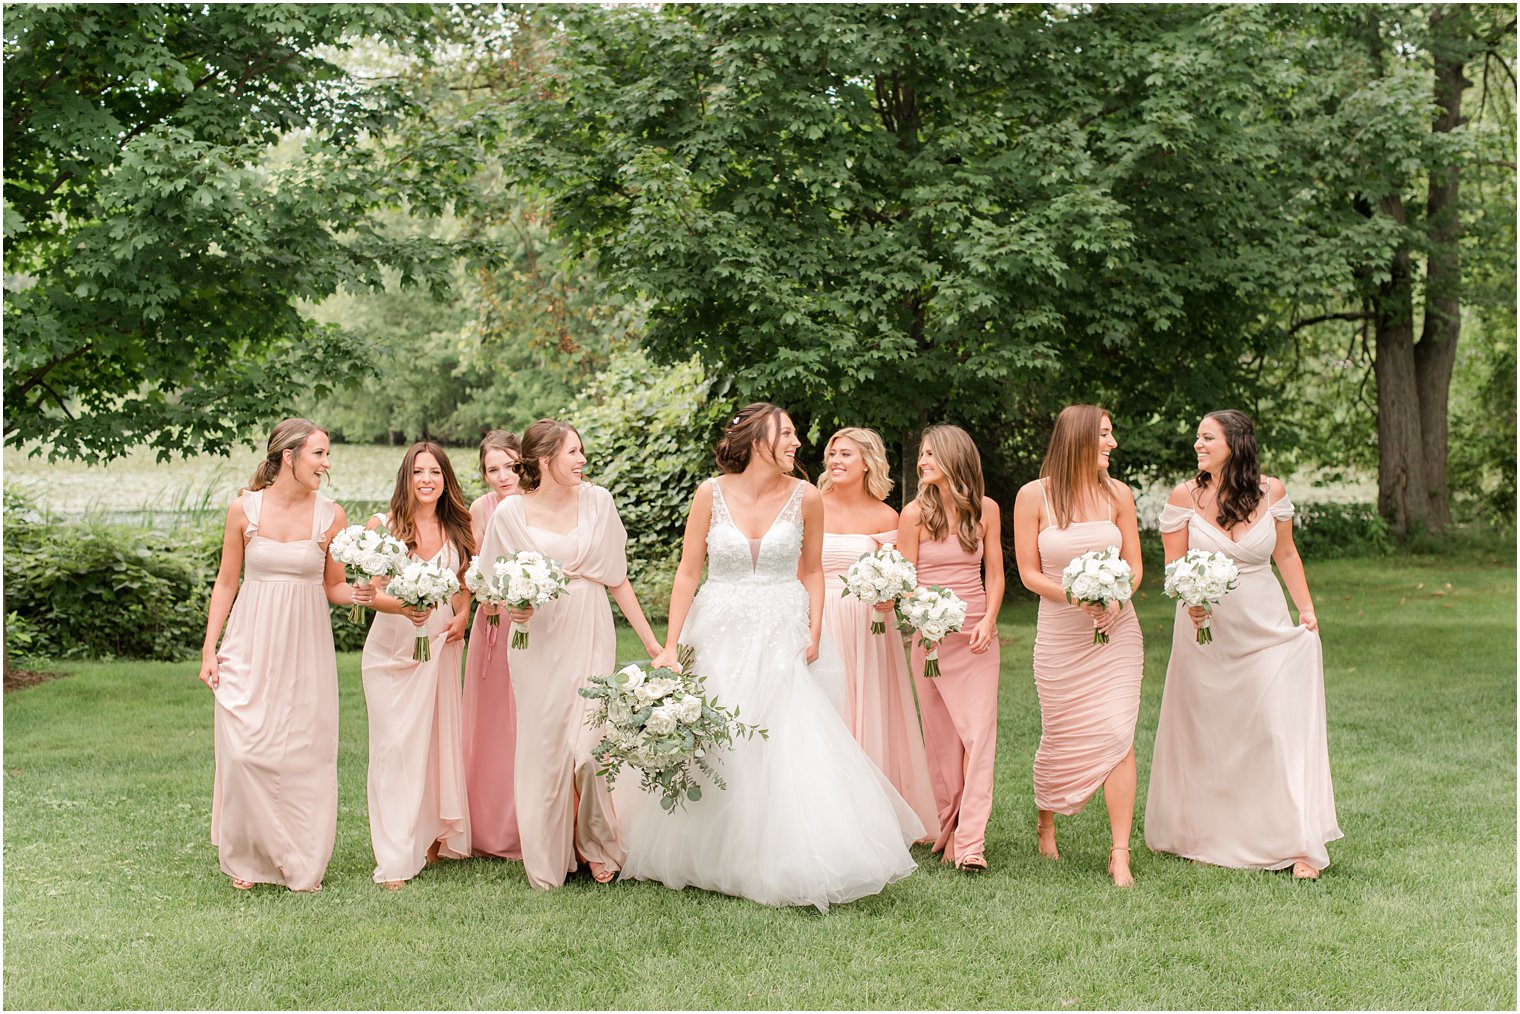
490, 725
416, 758
563, 806
878, 693
959, 706
1241, 771
1089, 693
274, 802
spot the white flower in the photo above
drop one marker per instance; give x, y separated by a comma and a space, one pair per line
662, 720
635, 677
691, 709
660, 686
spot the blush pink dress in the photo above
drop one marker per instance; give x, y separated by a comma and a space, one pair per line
1089, 693
959, 706
416, 758
490, 724
274, 802
1241, 771
878, 701
564, 808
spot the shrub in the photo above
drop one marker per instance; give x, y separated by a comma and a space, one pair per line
1330, 530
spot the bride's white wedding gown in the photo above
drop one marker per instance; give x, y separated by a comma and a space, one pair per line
806, 819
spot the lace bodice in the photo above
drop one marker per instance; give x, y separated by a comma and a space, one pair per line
772, 557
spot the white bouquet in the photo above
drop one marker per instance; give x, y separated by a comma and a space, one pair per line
662, 722
1096, 579
370, 553
423, 586
934, 613
878, 577
489, 584
1198, 578
528, 580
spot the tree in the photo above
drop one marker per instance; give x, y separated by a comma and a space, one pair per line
157, 242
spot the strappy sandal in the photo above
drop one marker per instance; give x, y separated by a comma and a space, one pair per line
1303, 871
974, 863
600, 873
1117, 883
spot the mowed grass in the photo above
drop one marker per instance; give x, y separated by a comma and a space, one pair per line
113, 898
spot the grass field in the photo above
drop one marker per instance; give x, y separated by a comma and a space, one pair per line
113, 898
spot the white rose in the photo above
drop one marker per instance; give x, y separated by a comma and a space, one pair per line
662, 720
691, 709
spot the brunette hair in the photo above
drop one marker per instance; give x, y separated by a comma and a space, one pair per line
872, 451
288, 435
742, 434
544, 439
1240, 482
956, 456
453, 515
1071, 462
498, 440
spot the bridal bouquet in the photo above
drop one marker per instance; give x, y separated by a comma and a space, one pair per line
489, 584
880, 577
934, 613
1096, 579
662, 722
370, 553
423, 586
528, 580
1197, 578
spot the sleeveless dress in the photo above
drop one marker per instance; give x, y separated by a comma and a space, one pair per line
806, 819
490, 724
274, 802
959, 706
1089, 693
564, 808
416, 760
878, 703
1241, 771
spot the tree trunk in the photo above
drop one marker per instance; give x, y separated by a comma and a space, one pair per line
1436, 353
1402, 487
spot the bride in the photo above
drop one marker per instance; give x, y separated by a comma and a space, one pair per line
806, 819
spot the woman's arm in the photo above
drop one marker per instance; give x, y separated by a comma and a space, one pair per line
1026, 544
623, 594
1289, 564
224, 591
810, 565
339, 591
984, 634
688, 571
383, 603
907, 533
1175, 543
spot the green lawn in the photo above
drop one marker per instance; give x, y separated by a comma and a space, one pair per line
113, 898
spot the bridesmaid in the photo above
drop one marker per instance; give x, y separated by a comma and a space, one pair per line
274, 803
1241, 772
952, 532
564, 809
490, 719
417, 804
878, 695
1089, 693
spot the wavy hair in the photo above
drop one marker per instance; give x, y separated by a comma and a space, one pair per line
956, 456
287, 435
1071, 462
1240, 481
744, 432
872, 452
453, 514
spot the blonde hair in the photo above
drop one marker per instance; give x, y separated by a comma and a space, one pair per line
1071, 462
872, 451
288, 435
957, 458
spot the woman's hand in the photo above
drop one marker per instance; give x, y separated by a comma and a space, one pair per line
1307, 620
455, 629
812, 652
885, 607
210, 673
489, 608
417, 616
1197, 614
1104, 616
983, 635
664, 659
364, 593
655, 648
520, 616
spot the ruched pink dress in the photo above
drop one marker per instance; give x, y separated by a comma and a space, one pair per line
416, 758
563, 806
1241, 771
1089, 693
274, 802
490, 724
960, 705
878, 693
